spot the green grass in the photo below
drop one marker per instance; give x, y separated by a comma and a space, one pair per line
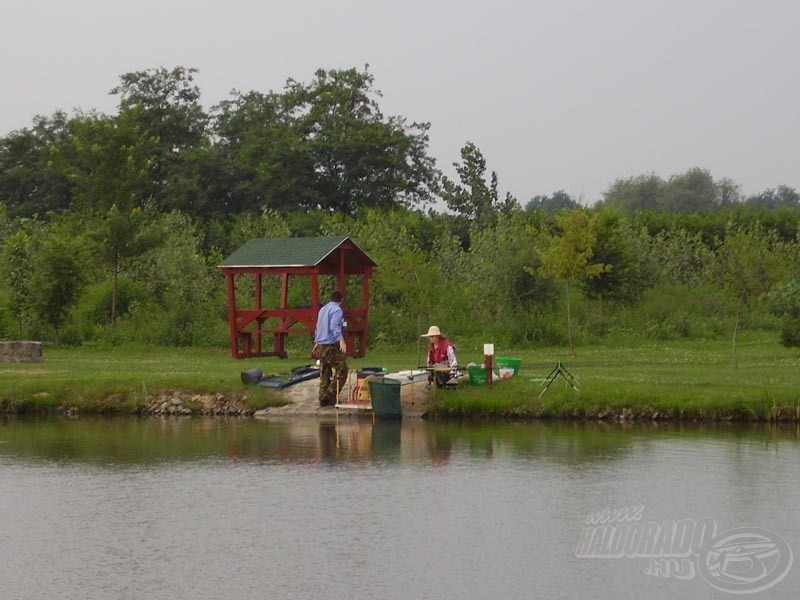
691, 379
119, 379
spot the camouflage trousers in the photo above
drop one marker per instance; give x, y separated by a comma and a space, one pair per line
332, 374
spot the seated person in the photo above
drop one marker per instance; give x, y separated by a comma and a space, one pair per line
441, 353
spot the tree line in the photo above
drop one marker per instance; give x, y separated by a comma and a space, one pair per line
112, 226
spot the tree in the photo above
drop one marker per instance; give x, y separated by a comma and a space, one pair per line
123, 235
784, 301
167, 103
495, 273
729, 193
559, 200
775, 198
690, 192
621, 245
269, 223
184, 294
324, 145
681, 257
163, 105
635, 193
750, 263
58, 274
107, 161
694, 191
360, 158
15, 269
29, 182
568, 254
263, 159
475, 199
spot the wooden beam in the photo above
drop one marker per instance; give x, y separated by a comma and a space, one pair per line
258, 301
232, 316
284, 290
315, 302
340, 279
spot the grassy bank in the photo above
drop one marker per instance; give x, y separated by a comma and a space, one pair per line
692, 379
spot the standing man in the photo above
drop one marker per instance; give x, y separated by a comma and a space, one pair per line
332, 362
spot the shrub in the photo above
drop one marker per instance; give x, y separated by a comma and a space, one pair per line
93, 313
784, 302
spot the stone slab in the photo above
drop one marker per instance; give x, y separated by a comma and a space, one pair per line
21, 351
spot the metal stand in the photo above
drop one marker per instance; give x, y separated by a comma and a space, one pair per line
559, 369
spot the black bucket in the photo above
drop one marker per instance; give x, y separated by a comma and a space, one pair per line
252, 375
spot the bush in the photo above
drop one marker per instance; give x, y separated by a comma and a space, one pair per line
8, 326
790, 332
93, 313
784, 302
678, 312
149, 323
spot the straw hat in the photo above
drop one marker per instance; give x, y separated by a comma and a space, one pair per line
432, 330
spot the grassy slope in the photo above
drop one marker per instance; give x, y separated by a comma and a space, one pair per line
687, 379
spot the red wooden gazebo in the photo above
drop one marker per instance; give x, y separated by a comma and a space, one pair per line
323, 260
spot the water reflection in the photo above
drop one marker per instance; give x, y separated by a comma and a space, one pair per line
306, 508
358, 440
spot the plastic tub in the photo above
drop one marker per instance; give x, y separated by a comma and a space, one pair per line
512, 363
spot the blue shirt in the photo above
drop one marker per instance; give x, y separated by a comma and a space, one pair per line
329, 324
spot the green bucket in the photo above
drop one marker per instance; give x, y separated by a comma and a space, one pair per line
509, 363
477, 375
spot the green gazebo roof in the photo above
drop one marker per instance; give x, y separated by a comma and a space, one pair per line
292, 252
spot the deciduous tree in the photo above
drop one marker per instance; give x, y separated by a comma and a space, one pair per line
107, 161
323, 145
58, 275
552, 204
122, 235
567, 255
30, 184
750, 262
473, 197
163, 106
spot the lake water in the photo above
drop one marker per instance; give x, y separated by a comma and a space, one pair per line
213, 508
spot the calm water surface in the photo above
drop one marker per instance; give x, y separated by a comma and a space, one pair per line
215, 508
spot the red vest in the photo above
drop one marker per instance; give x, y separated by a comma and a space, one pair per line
438, 355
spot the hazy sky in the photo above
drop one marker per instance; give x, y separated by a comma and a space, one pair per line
561, 94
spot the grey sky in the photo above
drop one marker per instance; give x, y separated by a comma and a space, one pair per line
567, 94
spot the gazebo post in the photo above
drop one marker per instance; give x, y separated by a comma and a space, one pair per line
232, 316
315, 302
341, 282
279, 343
365, 288
257, 289
284, 290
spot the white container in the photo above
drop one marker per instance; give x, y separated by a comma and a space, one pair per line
409, 376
